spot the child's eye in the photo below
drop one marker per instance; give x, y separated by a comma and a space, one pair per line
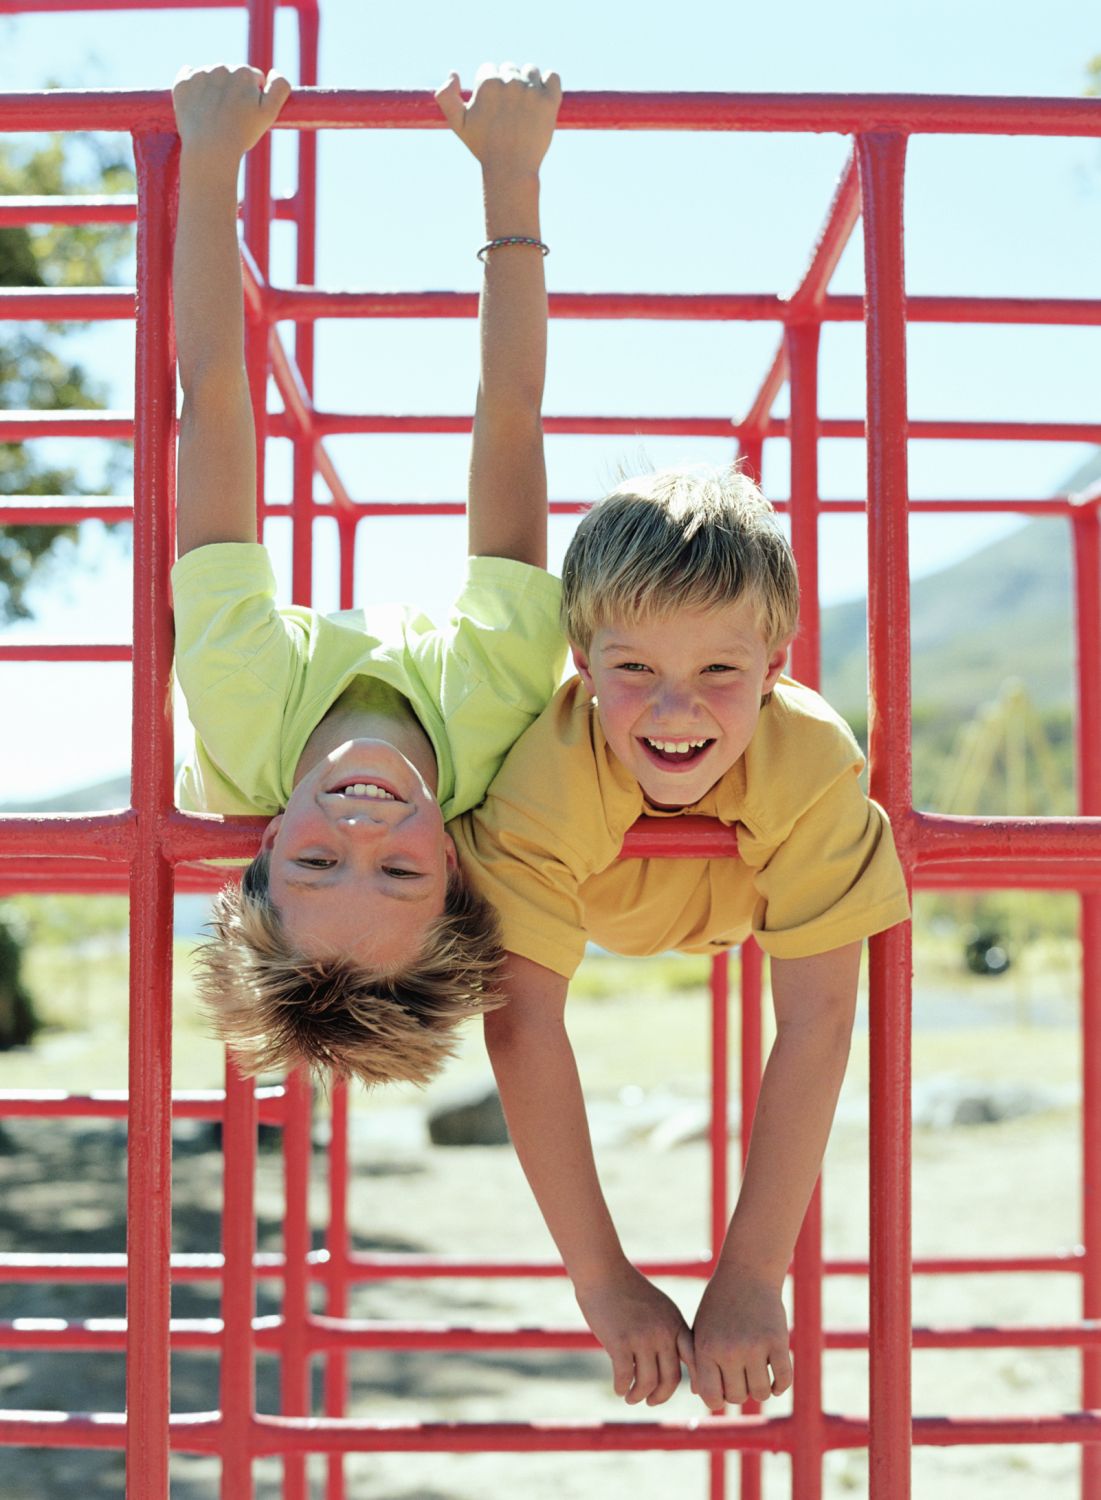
720, 666
632, 666
316, 864
396, 874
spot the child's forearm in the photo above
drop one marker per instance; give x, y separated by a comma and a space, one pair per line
792, 1124
220, 114
507, 469
514, 299
207, 271
508, 125
541, 1094
216, 480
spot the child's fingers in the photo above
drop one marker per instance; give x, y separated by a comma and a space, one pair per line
276, 92
779, 1357
450, 99
686, 1349
552, 84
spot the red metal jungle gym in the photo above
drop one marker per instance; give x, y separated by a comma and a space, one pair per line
150, 847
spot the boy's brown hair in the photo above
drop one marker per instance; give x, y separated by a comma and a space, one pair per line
277, 1008
687, 538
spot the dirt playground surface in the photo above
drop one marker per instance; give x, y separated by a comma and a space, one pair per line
1011, 1184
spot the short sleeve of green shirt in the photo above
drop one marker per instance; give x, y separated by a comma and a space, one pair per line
259, 679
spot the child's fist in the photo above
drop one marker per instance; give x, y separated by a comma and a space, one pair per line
227, 109
511, 115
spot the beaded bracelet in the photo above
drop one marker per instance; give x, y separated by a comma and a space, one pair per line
512, 239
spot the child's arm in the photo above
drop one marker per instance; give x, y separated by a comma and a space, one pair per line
220, 114
741, 1328
508, 126
641, 1329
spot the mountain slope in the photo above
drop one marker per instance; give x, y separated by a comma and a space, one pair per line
1003, 612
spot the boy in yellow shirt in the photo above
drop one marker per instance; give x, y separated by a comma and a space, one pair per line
352, 942
680, 600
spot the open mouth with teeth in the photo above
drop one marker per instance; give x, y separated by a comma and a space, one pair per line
365, 790
674, 752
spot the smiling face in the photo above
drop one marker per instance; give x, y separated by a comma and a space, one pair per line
359, 859
679, 695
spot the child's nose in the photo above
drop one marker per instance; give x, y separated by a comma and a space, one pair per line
675, 705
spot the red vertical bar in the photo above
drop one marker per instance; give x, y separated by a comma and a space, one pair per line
296, 1136
802, 342
257, 219
305, 218
149, 1137
295, 1370
882, 164
752, 454
1087, 590
802, 349
238, 1367
336, 1361
720, 1093
346, 527
720, 1174
750, 1463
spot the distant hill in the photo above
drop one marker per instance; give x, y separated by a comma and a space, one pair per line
101, 796
1003, 612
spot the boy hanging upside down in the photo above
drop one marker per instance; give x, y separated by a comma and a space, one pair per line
353, 942
680, 600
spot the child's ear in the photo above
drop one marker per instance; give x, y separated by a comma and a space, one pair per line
450, 854
267, 843
777, 661
581, 662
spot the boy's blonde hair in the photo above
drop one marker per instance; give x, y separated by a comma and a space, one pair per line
277, 1008
687, 538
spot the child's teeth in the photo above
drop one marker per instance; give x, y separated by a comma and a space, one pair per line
677, 747
366, 789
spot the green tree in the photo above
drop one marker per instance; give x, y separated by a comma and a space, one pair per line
34, 370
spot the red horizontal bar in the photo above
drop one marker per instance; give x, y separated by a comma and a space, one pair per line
117, 208
114, 1104
303, 303
108, 1269
62, 304
700, 838
199, 1432
87, 834
109, 1334
18, 426
45, 652
63, 510
1049, 506
331, 424
1071, 1427
362, 1267
938, 838
845, 114
938, 842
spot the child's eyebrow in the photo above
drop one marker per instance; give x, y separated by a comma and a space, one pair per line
328, 885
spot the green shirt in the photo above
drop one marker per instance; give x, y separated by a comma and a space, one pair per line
258, 680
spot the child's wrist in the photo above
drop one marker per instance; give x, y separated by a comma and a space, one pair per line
211, 157
739, 1263
596, 1270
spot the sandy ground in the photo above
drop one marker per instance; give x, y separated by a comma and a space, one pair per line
1012, 1183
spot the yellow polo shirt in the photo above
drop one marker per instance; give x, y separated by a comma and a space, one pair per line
817, 866
258, 680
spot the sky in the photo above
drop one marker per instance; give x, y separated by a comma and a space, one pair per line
656, 212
